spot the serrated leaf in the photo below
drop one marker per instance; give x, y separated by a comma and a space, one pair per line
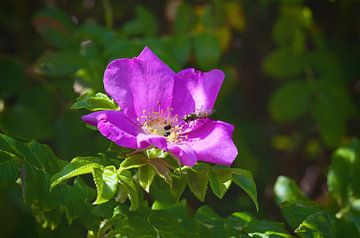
290, 101
95, 102
106, 182
128, 183
197, 180
134, 161
146, 175
179, 185
285, 189
243, 178
78, 166
162, 168
9, 168
220, 180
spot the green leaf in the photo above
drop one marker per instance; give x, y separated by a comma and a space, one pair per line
162, 168
207, 216
179, 185
145, 23
207, 51
260, 228
59, 64
167, 225
38, 163
244, 179
330, 119
319, 225
95, 102
179, 46
127, 224
134, 161
284, 63
78, 166
290, 101
197, 180
220, 180
106, 181
296, 213
9, 168
285, 189
56, 27
342, 179
146, 175
128, 183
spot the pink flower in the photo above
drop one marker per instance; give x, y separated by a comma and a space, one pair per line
154, 102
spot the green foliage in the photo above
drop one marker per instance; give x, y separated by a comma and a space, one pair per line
148, 193
306, 217
96, 102
9, 168
290, 101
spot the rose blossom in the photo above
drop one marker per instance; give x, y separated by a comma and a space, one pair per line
154, 101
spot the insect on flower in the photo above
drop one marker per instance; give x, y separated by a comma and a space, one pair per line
198, 114
157, 106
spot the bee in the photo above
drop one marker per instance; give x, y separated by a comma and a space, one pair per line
198, 114
167, 130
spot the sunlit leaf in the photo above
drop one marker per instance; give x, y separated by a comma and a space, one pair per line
296, 213
243, 178
106, 182
78, 166
146, 175
220, 180
95, 102
286, 190
197, 180
128, 183
134, 161
343, 180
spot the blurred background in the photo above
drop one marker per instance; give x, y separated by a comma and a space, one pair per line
292, 85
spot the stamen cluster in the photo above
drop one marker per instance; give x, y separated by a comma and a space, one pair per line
163, 123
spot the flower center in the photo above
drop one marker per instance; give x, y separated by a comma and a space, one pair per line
162, 123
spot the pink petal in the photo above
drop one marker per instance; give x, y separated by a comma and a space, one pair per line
184, 153
140, 83
147, 140
213, 142
196, 90
115, 126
